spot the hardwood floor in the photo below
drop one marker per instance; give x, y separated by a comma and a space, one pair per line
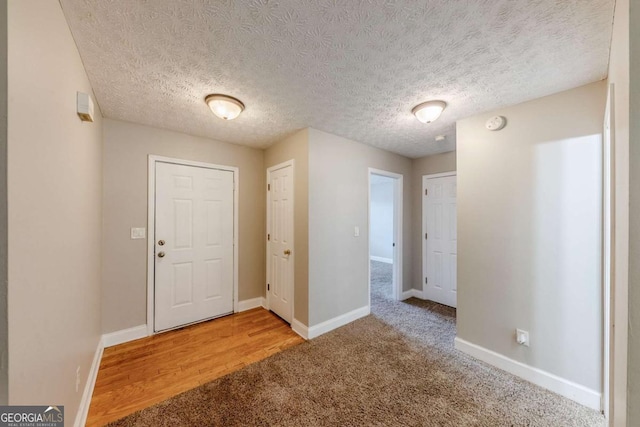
141, 373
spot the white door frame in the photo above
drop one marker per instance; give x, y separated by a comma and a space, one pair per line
292, 257
608, 255
151, 229
424, 221
398, 188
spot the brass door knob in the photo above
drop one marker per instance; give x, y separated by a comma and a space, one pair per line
287, 252
160, 254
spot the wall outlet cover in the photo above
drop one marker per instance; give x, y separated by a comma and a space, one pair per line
522, 337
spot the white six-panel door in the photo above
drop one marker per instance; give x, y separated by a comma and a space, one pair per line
441, 246
194, 244
280, 241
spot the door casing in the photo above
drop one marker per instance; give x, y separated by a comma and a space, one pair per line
151, 237
608, 257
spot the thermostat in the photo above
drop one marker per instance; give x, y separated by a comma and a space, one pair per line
496, 123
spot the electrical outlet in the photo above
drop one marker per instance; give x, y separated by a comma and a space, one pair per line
522, 337
77, 379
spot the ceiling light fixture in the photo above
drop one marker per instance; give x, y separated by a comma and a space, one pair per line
429, 111
224, 106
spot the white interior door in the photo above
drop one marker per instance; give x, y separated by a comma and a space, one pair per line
440, 239
194, 244
280, 241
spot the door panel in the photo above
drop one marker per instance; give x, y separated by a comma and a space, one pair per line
441, 242
194, 218
280, 229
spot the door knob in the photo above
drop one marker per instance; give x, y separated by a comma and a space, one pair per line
287, 252
160, 254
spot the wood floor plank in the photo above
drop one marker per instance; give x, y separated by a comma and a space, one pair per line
144, 372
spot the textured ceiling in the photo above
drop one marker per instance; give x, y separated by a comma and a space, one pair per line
352, 68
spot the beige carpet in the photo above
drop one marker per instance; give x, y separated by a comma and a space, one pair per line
395, 367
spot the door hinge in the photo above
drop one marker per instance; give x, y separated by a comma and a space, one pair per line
426, 191
268, 187
268, 287
268, 236
426, 280
425, 236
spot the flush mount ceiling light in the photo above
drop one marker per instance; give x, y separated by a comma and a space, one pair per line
224, 106
429, 111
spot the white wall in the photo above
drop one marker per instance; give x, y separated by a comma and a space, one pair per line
55, 211
338, 261
529, 244
381, 217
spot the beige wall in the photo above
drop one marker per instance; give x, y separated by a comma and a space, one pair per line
296, 147
4, 336
437, 163
529, 244
619, 77
55, 211
124, 274
338, 188
634, 216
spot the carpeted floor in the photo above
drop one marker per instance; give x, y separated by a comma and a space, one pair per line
395, 367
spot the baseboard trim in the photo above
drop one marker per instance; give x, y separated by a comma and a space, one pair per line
125, 335
412, 293
576, 392
381, 259
336, 322
83, 409
300, 329
249, 304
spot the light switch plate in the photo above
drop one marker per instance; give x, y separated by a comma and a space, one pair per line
138, 233
356, 231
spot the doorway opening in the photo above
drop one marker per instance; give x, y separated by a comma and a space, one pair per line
385, 234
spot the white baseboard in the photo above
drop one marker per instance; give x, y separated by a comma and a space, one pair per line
576, 392
137, 332
336, 322
249, 304
300, 329
381, 259
83, 409
125, 335
412, 293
